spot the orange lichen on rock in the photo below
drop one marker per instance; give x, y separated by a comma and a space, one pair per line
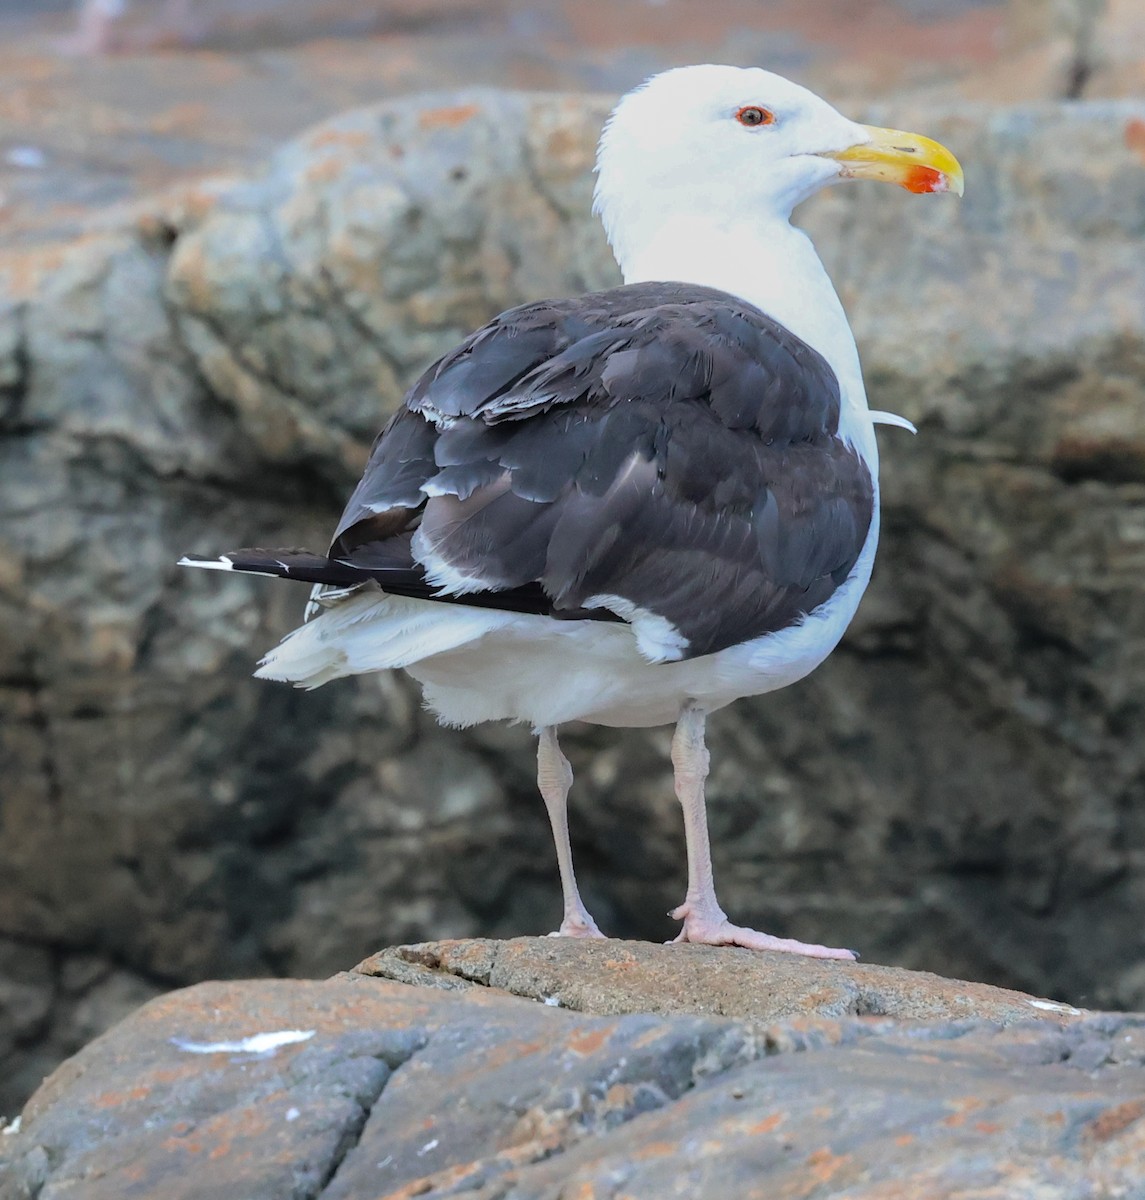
1135, 136
448, 117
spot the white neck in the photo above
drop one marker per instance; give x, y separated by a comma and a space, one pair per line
769, 263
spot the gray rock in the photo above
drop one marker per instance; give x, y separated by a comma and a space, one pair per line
82, 135
209, 373
361, 1088
610, 977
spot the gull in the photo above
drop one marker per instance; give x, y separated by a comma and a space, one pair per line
636, 506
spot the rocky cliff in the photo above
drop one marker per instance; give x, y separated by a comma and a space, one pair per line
959, 788
530, 1070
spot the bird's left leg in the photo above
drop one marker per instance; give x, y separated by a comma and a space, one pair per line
554, 778
704, 920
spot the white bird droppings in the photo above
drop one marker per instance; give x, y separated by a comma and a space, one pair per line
31, 158
259, 1043
428, 1147
1054, 1006
553, 1001
12, 1127
292, 1114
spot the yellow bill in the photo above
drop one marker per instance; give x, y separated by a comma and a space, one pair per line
916, 163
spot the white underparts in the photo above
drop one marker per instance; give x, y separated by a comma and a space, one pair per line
371, 631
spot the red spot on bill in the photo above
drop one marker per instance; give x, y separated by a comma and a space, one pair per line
924, 179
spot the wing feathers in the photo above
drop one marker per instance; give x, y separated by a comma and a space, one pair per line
664, 447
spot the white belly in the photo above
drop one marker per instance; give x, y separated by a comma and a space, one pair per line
548, 672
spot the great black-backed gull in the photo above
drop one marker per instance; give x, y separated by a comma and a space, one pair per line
635, 506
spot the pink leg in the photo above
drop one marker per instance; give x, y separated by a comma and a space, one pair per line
554, 778
704, 920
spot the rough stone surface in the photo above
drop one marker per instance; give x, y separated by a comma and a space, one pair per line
381, 1089
79, 135
207, 368
613, 977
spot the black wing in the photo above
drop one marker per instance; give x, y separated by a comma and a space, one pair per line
663, 445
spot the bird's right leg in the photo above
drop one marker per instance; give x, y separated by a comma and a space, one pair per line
554, 778
704, 921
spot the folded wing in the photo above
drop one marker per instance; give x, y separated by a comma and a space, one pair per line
661, 449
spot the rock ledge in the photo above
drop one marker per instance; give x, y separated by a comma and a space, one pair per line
611, 978
447, 1084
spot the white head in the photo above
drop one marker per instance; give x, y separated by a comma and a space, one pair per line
732, 141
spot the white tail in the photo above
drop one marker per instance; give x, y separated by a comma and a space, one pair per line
374, 632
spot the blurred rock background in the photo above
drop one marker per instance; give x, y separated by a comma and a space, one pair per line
212, 291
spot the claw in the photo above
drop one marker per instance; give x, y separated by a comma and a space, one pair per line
716, 930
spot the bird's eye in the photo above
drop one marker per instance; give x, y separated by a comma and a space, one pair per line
752, 115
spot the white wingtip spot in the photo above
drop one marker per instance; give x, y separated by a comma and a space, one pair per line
222, 563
